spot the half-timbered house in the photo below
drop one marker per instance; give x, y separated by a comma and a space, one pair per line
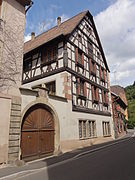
65, 89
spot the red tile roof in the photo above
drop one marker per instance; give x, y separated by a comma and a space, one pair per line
65, 28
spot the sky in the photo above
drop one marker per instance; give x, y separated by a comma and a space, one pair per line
115, 22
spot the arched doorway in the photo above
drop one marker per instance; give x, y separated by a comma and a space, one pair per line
37, 133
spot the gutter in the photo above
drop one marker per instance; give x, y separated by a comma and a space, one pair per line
31, 3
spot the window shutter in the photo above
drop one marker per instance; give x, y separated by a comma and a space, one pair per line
78, 86
106, 98
85, 90
97, 94
100, 72
76, 55
83, 59
93, 93
104, 74
103, 97
90, 65
95, 68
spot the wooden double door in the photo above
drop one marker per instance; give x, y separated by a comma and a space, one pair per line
37, 138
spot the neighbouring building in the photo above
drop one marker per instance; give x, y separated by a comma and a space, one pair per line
66, 100
12, 24
119, 107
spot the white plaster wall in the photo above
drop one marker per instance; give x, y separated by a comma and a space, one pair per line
59, 83
5, 107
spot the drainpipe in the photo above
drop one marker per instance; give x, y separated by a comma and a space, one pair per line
31, 3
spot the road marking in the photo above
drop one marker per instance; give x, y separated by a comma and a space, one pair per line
33, 171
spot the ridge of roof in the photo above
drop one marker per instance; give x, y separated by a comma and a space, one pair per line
45, 36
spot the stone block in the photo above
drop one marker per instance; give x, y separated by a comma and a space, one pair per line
14, 143
15, 118
15, 131
14, 124
13, 150
14, 137
15, 113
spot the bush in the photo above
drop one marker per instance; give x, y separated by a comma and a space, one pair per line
130, 124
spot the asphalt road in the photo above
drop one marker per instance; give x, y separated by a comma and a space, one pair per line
115, 162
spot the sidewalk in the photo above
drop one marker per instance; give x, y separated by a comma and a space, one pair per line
46, 162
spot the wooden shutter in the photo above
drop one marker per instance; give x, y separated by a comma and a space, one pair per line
106, 98
93, 93
103, 96
78, 86
95, 68
83, 59
104, 74
76, 55
90, 65
97, 94
100, 70
85, 90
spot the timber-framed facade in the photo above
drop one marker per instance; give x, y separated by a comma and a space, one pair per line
69, 62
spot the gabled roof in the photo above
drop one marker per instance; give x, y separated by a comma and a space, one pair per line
64, 29
118, 90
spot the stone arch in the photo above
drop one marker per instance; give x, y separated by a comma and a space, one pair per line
50, 108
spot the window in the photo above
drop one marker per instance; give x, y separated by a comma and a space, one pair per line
106, 129
80, 57
87, 129
91, 128
89, 29
79, 38
105, 99
49, 54
92, 67
90, 49
98, 55
81, 87
95, 94
51, 86
27, 65
102, 73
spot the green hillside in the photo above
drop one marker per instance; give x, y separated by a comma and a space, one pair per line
130, 94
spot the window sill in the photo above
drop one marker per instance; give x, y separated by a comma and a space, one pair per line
93, 73
109, 135
105, 104
81, 97
83, 138
80, 65
48, 62
95, 101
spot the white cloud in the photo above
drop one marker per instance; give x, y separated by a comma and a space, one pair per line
116, 27
27, 37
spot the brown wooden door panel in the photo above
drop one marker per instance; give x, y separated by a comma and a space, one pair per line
37, 133
46, 141
30, 145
